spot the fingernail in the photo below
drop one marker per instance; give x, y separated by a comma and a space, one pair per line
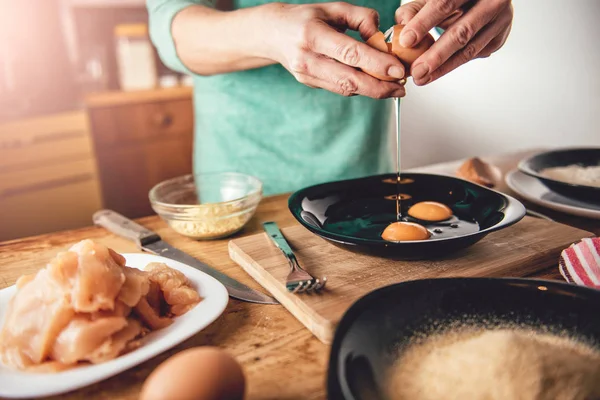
407, 38
400, 93
419, 71
396, 72
423, 82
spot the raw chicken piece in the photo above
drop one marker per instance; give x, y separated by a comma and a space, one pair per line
82, 336
90, 273
63, 269
119, 259
36, 315
24, 280
156, 299
182, 300
119, 343
150, 316
121, 310
176, 288
79, 308
135, 286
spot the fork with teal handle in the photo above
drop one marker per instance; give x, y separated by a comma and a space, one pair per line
298, 280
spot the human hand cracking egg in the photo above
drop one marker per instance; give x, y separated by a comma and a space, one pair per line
473, 29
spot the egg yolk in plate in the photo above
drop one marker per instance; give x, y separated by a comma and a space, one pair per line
430, 211
404, 231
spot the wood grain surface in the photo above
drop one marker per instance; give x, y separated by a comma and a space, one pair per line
281, 358
517, 251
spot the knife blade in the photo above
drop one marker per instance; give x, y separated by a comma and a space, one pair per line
153, 243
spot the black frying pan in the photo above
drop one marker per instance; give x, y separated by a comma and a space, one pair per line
376, 329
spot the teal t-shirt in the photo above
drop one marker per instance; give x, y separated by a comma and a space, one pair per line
264, 123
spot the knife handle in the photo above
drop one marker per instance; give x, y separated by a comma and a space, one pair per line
124, 227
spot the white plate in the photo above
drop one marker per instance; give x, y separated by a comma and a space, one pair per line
535, 191
14, 384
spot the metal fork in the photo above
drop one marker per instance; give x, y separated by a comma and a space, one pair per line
298, 280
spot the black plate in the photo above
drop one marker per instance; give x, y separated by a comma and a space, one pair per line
354, 213
375, 330
585, 157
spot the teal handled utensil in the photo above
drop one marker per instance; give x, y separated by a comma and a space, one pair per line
298, 280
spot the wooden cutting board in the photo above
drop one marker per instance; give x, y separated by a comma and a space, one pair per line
523, 249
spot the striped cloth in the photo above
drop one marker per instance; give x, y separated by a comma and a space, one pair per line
580, 263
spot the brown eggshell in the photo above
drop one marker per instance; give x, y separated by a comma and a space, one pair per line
408, 55
377, 41
201, 373
477, 171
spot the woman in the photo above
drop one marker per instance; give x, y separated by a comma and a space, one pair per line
256, 69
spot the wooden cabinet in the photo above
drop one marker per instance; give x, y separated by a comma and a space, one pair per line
140, 139
48, 178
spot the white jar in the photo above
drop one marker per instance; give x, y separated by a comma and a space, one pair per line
135, 57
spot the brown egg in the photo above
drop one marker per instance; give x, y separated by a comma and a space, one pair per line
408, 55
377, 41
404, 231
430, 211
201, 373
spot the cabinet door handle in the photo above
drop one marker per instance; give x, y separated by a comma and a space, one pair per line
163, 120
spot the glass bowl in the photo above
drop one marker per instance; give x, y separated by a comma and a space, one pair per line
207, 206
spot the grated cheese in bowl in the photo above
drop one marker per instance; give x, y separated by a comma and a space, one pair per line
207, 206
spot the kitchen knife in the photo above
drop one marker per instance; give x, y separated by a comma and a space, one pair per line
152, 242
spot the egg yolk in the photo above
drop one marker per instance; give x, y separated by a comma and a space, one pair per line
430, 211
403, 231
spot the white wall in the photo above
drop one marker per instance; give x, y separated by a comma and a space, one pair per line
541, 89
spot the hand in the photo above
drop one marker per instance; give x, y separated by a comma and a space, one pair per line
473, 29
309, 41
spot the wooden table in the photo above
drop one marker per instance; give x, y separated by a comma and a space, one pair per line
281, 358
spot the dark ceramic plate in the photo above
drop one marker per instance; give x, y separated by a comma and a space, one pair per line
354, 213
377, 328
588, 157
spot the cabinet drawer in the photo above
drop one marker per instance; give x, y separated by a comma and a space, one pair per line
127, 174
49, 209
138, 123
46, 199
33, 179
44, 141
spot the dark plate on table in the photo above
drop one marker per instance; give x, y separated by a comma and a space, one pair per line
583, 157
353, 213
378, 328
